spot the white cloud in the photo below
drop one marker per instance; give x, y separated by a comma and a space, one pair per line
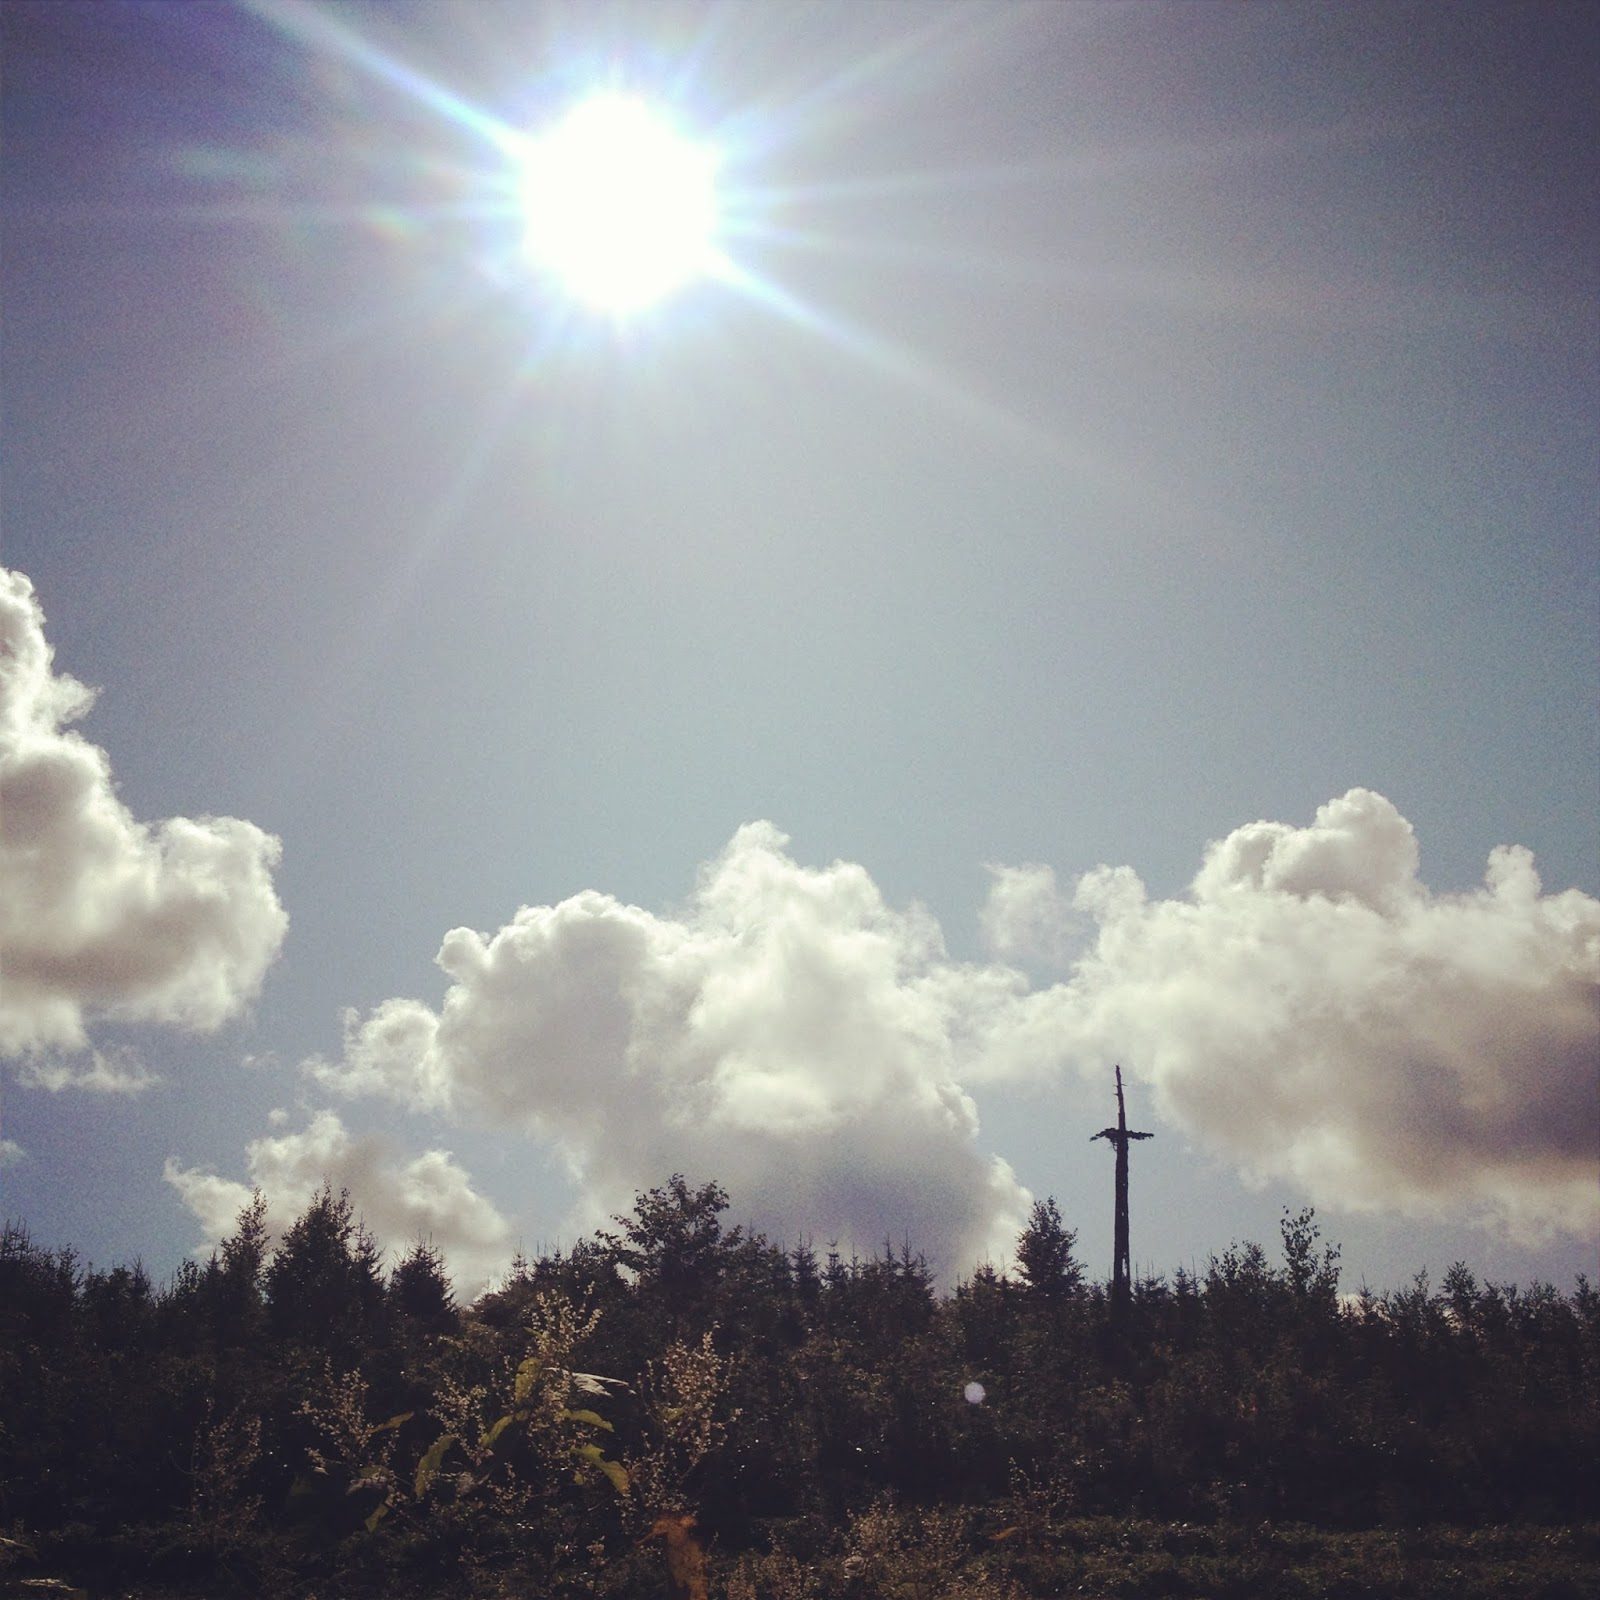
398, 1200
100, 915
104, 1072
789, 1034
1026, 917
1310, 1011
11, 1153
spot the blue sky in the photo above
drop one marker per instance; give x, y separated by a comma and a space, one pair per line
1130, 424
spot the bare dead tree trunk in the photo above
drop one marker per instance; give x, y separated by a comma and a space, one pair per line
1121, 1267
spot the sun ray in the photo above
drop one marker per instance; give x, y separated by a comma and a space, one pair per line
746, 213
313, 27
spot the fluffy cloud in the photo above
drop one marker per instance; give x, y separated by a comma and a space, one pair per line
100, 915
1311, 1011
788, 1034
1308, 1011
11, 1153
429, 1197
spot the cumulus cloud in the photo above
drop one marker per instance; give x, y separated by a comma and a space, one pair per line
1310, 1011
102, 916
102, 1072
788, 1034
11, 1153
429, 1197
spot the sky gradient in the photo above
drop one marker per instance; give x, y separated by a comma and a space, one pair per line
1142, 438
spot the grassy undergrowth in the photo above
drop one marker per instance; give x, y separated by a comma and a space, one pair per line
1107, 1557
1008, 1552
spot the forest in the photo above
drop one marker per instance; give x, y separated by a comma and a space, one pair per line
680, 1407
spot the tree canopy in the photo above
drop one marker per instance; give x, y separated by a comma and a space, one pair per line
305, 1409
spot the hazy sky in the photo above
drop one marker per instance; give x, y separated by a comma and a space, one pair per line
1109, 575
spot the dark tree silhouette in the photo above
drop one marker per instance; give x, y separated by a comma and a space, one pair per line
675, 1245
1045, 1262
1121, 1269
291, 1421
419, 1288
324, 1285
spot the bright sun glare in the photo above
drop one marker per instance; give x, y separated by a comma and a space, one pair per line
619, 205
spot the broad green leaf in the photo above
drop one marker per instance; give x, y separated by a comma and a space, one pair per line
379, 1512
592, 1418
394, 1422
492, 1435
428, 1466
614, 1470
527, 1376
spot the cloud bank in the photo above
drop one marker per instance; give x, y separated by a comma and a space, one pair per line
102, 916
788, 1034
400, 1201
1309, 1011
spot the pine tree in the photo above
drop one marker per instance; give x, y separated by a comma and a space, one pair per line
1045, 1262
419, 1288
325, 1283
232, 1286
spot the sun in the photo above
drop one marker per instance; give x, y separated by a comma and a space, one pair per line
619, 205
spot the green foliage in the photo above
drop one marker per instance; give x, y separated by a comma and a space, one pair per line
1045, 1262
675, 1247
296, 1420
613, 1471
429, 1462
419, 1291
324, 1284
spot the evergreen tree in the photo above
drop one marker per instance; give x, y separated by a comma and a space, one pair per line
232, 1287
324, 1284
1045, 1262
419, 1289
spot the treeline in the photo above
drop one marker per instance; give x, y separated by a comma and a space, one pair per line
299, 1413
